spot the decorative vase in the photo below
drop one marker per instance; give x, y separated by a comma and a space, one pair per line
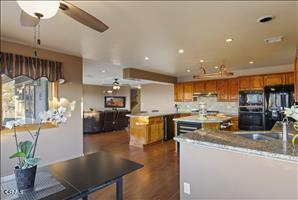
25, 178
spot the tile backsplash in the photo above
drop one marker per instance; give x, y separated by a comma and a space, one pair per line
212, 104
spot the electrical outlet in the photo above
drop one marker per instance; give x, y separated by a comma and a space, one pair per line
186, 188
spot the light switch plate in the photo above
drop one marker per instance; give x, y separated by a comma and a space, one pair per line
186, 188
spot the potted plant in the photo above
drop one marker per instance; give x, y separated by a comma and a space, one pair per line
292, 113
25, 169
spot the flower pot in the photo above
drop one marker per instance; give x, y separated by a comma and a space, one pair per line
25, 178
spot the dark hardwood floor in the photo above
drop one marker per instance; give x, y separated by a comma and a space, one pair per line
158, 179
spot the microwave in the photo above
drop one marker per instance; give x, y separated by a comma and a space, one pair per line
251, 98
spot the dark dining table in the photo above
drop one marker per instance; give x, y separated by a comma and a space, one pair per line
87, 174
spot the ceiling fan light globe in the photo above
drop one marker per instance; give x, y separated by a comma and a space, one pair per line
46, 9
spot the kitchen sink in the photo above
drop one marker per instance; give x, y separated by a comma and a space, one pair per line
263, 136
256, 136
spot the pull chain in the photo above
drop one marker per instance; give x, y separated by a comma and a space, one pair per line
37, 40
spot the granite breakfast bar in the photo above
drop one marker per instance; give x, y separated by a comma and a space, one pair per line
228, 165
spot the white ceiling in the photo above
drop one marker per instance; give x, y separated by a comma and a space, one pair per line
159, 29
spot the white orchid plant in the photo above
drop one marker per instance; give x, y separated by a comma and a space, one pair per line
292, 113
26, 149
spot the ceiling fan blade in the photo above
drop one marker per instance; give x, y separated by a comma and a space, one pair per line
28, 20
82, 16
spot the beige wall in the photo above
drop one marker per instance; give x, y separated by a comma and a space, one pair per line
222, 174
93, 96
157, 97
59, 143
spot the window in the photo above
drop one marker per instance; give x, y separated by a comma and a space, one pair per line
24, 98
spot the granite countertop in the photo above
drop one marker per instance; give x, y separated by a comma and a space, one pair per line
155, 114
208, 119
228, 140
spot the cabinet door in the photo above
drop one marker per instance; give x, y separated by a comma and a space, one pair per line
210, 86
188, 91
256, 82
290, 79
274, 79
222, 90
199, 87
244, 83
233, 89
178, 87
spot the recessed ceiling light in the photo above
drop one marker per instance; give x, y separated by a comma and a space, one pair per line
201, 61
229, 40
146, 58
265, 19
188, 70
251, 62
181, 51
103, 71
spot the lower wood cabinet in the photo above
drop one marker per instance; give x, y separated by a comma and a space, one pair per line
145, 130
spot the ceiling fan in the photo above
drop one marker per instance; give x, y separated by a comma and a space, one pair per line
34, 11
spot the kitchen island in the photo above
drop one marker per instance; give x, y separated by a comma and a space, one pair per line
217, 164
151, 127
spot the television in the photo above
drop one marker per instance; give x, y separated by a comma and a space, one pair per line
114, 102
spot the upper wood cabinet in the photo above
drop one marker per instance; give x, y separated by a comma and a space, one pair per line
178, 91
256, 82
210, 86
244, 83
233, 91
251, 83
222, 90
274, 79
289, 78
188, 91
199, 87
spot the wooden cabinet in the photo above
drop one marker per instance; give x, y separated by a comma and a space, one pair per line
274, 79
289, 78
210, 86
235, 124
233, 91
244, 83
199, 87
178, 90
222, 90
251, 83
256, 82
188, 91
145, 130
155, 130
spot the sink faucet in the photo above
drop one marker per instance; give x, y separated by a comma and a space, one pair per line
285, 130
